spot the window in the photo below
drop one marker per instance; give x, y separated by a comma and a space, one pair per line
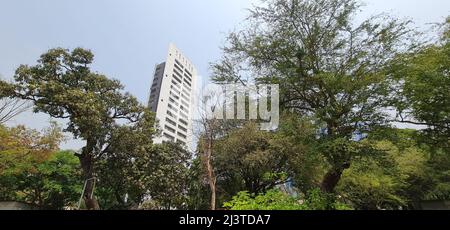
172, 108
190, 75
187, 93
187, 78
174, 95
169, 137
185, 97
178, 73
184, 115
184, 109
175, 84
176, 78
171, 122
185, 81
178, 63
185, 103
182, 135
182, 128
175, 90
171, 114
186, 87
173, 101
183, 122
170, 129
180, 68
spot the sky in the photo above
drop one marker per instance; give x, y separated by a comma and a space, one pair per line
128, 37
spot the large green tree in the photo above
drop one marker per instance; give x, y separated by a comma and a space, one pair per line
424, 89
121, 176
403, 173
154, 174
248, 159
33, 171
166, 175
20, 146
327, 65
96, 108
53, 184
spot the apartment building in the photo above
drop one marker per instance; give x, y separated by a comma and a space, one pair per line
171, 97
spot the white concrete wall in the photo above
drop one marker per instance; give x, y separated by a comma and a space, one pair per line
164, 97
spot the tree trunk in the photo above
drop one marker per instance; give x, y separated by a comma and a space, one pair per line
88, 176
332, 178
211, 175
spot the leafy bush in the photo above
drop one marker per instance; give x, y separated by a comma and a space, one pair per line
277, 200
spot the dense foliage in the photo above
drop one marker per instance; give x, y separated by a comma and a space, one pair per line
276, 200
34, 172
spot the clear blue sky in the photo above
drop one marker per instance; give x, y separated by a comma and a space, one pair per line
128, 37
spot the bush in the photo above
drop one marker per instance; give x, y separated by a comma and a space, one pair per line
277, 200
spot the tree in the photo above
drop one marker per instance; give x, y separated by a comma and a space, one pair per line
438, 170
121, 175
33, 172
166, 169
404, 172
423, 83
206, 144
327, 66
210, 129
63, 86
52, 184
384, 183
198, 190
19, 146
297, 136
135, 178
249, 159
56, 183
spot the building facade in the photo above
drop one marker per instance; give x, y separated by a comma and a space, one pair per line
172, 97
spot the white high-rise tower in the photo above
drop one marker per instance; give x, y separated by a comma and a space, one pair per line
172, 98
